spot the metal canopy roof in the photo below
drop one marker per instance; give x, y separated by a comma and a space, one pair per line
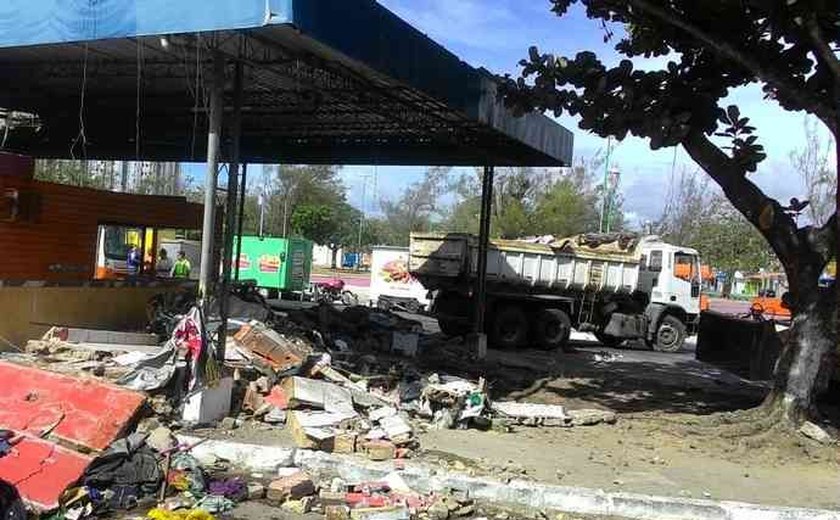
325, 81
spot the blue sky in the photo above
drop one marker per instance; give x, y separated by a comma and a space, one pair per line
496, 34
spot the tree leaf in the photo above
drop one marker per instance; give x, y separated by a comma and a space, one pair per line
733, 113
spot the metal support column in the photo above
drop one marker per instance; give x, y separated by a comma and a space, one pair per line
217, 92
240, 219
230, 206
483, 246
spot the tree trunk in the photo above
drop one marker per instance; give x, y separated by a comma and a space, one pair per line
808, 358
334, 251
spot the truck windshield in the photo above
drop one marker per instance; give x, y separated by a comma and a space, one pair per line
686, 267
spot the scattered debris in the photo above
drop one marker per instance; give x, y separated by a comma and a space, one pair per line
815, 432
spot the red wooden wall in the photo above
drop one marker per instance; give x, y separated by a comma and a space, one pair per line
57, 242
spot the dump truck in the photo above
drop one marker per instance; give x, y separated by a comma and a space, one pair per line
618, 286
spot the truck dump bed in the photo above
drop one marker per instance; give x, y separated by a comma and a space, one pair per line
569, 264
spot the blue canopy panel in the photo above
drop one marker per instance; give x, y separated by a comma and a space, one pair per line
377, 90
41, 22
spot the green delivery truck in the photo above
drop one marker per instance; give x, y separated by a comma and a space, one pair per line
279, 265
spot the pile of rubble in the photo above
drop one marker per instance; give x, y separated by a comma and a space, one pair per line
342, 381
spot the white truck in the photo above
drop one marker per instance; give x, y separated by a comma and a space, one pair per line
391, 284
618, 286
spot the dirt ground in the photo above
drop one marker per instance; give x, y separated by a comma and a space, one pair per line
672, 436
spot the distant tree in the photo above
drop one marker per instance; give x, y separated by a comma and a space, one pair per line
85, 174
569, 204
688, 208
315, 222
528, 202
814, 164
727, 241
418, 206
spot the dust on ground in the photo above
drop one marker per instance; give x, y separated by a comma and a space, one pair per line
676, 435
679, 431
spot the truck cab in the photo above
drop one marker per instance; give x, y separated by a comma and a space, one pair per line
671, 275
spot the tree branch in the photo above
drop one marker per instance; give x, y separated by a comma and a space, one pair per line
744, 195
824, 239
751, 63
822, 49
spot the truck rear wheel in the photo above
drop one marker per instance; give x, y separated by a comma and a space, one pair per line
670, 335
552, 329
509, 327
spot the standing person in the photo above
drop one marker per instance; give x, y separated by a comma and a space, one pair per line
182, 267
132, 261
164, 264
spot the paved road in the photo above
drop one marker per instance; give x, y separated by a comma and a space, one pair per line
351, 279
734, 307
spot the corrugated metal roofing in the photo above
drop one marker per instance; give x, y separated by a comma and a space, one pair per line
326, 81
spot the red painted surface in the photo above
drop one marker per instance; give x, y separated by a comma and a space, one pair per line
88, 413
41, 471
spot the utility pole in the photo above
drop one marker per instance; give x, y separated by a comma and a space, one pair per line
365, 178
601, 224
613, 179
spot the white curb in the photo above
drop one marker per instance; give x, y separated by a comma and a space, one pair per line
426, 479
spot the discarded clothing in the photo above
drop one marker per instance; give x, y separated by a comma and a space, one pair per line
127, 464
232, 488
192, 514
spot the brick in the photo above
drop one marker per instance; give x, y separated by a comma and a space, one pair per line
292, 487
333, 498
380, 450
253, 400
281, 353
337, 513
345, 443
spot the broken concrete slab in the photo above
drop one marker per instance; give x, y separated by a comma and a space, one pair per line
516, 410
315, 429
78, 335
83, 412
590, 417
41, 471
816, 432
209, 404
300, 391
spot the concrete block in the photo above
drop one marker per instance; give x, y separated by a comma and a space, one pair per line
209, 404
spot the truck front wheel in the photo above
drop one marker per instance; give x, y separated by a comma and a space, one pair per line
509, 327
552, 329
670, 335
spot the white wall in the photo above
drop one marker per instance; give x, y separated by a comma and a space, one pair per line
322, 256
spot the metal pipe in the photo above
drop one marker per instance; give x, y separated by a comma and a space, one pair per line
483, 247
230, 221
217, 92
243, 184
